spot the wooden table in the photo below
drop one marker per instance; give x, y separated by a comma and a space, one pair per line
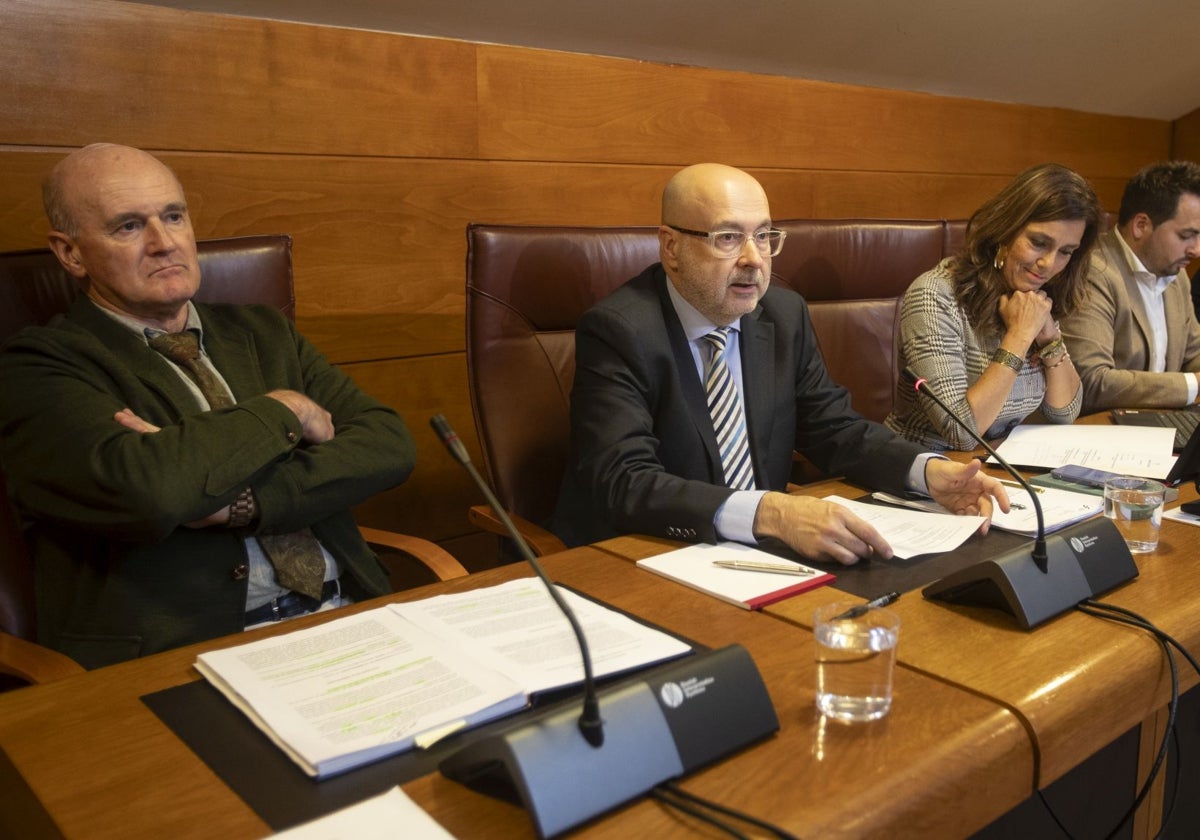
85, 758
1075, 682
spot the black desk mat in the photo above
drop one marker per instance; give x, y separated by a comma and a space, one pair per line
874, 577
276, 789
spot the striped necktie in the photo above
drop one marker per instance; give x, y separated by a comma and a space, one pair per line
729, 422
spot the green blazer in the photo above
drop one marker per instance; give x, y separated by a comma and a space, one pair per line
118, 574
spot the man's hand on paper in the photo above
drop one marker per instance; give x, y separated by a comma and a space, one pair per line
964, 489
817, 529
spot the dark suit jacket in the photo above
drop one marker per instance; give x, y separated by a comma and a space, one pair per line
644, 456
117, 574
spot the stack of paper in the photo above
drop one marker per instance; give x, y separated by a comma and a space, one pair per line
359, 688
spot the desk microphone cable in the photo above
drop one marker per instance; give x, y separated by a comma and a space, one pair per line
676, 797
1111, 612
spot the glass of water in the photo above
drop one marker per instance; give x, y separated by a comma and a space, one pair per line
1135, 506
856, 654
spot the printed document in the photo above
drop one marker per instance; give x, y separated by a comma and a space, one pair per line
359, 688
911, 532
1060, 508
1131, 450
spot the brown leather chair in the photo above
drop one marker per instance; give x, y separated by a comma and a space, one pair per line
853, 272
34, 288
526, 289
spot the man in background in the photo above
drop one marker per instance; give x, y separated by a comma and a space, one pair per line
184, 470
1135, 340
695, 381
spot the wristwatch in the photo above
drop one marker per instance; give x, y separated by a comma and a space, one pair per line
1010, 360
244, 509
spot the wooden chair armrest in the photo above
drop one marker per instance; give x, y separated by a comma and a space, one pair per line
540, 540
437, 559
33, 663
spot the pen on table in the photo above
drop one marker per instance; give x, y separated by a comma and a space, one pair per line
861, 609
759, 566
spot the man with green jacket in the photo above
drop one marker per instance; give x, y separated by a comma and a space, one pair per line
152, 490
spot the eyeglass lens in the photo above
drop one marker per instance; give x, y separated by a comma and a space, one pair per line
732, 241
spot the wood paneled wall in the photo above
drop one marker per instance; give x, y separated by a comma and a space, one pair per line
1185, 140
375, 150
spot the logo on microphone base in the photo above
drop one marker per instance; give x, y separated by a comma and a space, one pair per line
673, 694
1082, 543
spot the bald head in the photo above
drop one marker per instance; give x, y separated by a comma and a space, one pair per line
73, 183
692, 193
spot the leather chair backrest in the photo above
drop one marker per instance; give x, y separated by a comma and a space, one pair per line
856, 259
34, 288
526, 289
852, 272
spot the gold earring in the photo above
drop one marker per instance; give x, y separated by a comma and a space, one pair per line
998, 260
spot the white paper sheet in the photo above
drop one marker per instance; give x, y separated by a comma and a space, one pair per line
1060, 508
1179, 515
1130, 450
517, 628
911, 532
384, 817
693, 566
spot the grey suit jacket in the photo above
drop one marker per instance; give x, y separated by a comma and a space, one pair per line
644, 456
1109, 337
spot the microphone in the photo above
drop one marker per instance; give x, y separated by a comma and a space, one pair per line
1077, 563
590, 723
660, 724
1039, 544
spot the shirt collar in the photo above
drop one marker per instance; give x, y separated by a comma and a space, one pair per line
138, 328
1143, 275
695, 326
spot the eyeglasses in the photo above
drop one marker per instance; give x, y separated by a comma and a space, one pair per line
729, 243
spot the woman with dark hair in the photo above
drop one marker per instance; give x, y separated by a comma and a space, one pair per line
982, 326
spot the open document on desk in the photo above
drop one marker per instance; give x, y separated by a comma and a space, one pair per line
911, 533
1060, 508
357, 689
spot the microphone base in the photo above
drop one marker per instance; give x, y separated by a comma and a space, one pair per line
1083, 560
674, 720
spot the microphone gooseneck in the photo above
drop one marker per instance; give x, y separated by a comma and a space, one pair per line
1039, 542
590, 723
